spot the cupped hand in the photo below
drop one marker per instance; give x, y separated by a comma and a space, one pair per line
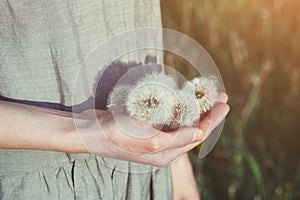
104, 134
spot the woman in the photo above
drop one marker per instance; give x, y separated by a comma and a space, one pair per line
42, 46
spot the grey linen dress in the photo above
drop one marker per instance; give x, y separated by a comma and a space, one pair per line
42, 43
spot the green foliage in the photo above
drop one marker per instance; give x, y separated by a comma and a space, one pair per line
256, 45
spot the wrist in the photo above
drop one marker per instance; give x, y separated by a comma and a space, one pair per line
69, 139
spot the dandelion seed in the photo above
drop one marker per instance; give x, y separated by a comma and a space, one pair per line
205, 91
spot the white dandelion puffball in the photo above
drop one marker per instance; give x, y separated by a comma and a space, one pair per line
151, 101
205, 91
189, 108
185, 112
117, 99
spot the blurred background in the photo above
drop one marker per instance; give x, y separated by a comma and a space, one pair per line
256, 46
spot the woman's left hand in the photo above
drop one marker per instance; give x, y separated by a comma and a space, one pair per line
184, 183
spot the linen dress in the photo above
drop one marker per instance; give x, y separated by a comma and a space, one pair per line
42, 46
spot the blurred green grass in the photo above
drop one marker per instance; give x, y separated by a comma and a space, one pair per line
256, 45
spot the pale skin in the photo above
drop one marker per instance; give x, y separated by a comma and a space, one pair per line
35, 128
184, 183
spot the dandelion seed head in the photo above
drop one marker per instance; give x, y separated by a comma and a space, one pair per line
117, 99
151, 102
205, 91
186, 112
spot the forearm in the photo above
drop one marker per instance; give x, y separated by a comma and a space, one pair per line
36, 128
182, 174
30, 127
183, 167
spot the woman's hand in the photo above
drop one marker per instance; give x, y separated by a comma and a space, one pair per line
98, 132
184, 183
103, 134
122, 138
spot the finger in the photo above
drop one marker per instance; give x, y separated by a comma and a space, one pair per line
163, 158
213, 118
170, 140
187, 138
141, 138
222, 97
218, 115
174, 154
135, 137
160, 158
193, 145
179, 138
129, 139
